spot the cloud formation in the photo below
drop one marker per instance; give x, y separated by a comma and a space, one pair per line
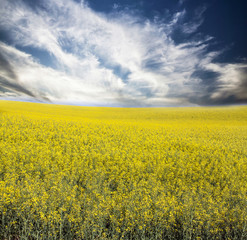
115, 59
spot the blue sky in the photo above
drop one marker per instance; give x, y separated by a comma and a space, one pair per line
124, 53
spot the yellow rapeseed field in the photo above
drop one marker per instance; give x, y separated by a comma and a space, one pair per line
70, 172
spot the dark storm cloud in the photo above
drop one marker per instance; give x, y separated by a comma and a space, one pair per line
226, 92
236, 91
208, 80
242, 90
5, 67
239, 94
9, 79
13, 87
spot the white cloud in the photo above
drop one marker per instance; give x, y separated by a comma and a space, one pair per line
230, 81
115, 59
58, 86
181, 2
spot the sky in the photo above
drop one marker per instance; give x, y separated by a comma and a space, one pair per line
124, 53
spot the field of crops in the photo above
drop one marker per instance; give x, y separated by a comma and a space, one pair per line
71, 172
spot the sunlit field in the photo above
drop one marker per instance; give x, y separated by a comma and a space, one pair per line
70, 172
